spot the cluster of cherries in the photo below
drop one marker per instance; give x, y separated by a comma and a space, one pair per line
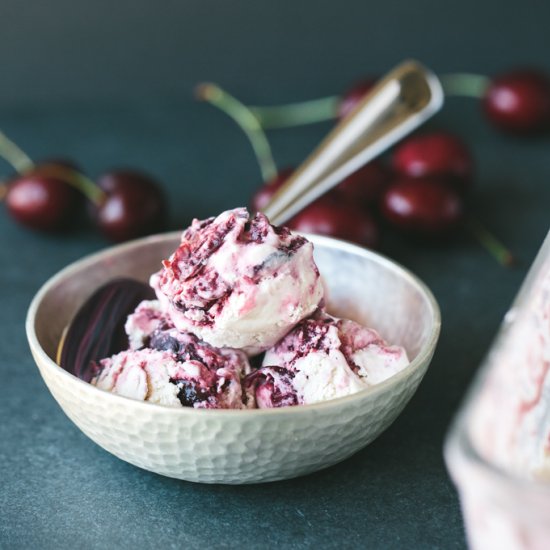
54, 195
422, 190
424, 186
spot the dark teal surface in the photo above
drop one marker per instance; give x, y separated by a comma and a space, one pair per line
111, 86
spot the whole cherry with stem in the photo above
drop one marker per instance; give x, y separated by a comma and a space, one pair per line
46, 196
40, 197
443, 209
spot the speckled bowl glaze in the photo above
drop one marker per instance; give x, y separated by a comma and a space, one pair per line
241, 446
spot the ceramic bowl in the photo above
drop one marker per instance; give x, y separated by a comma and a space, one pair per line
241, 446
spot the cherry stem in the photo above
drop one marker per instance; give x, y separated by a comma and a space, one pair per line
3, 191
325, 108
297, 114
14, 156
465, 84
246, 120
495, 247
79, 181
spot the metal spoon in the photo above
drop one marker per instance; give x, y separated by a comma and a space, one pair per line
400, 102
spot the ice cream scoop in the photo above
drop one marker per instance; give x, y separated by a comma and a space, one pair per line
323, 358
237, 281
177, 369
144, 375
147, 318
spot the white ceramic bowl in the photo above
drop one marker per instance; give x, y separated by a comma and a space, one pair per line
233, 446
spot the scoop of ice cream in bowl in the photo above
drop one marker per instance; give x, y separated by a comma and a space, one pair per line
261, 354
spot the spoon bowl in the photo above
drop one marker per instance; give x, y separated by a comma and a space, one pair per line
97, 330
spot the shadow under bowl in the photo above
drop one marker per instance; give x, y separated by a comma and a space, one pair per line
241, 446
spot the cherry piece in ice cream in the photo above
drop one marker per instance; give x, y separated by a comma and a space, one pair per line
237, 281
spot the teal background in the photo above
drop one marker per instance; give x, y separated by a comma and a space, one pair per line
110, 84
261, 49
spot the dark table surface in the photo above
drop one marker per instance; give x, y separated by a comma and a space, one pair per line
60, 490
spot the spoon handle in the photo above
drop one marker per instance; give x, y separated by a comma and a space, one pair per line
400, 102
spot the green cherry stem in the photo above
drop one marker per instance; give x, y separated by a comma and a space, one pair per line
464, 84
297, 114
23, 164
246, 120
325, 108
82, 183
14, 156
495, 247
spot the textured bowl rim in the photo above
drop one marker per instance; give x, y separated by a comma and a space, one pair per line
425, 353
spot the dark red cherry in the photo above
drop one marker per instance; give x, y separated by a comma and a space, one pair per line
435, 154
423, 205
519, 101
134, 205
263, 195
43, 201
366, 185
353, 96
337, 219
64, 169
